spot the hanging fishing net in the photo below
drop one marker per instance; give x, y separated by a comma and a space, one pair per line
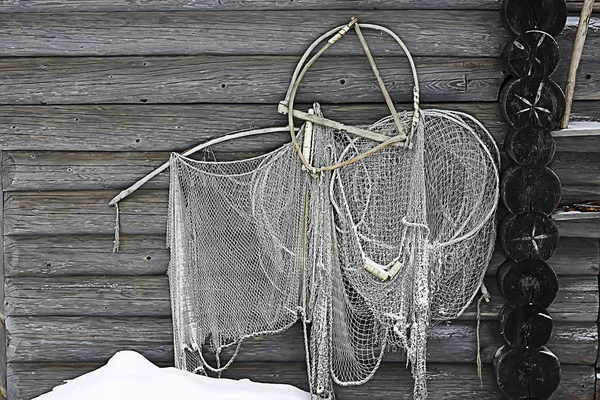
370, 234
235, 234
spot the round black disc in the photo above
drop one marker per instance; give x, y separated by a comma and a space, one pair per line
520, 16
533, 53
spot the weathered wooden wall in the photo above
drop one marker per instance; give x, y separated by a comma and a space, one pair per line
94, 94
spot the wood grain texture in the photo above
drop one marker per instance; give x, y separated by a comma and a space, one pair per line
577, 299
187, 5
256, 79
93, 339
172, 127
451, 382
473, 33
244, 79
138, 255
579, 173
144, 212
3, 381
444, 32
587, 173
64, 255
251, 5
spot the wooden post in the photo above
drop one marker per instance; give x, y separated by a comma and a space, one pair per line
582, 29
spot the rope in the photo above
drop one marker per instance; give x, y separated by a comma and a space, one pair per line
485, 295
117, 240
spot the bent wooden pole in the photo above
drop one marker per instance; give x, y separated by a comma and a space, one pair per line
191, 151
582, 29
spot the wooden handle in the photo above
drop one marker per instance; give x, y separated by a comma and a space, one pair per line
287, 105
582, 29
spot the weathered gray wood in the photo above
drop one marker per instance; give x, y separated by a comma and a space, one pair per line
146, 255
392, 381
474, 33
87, 212
206, 5
574, 256
138, 255
90, 339
580, 228
186, 5
44, 170
577, 299
177, 127
85, 339
586, 173
2, 275
250, 79
254, 79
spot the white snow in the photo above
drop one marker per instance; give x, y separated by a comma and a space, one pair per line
573, 22
129, 376
579, 128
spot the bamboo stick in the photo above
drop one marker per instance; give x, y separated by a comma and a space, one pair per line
582, 29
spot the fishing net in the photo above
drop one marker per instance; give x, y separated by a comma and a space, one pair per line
368, 238
414, 234
235, 233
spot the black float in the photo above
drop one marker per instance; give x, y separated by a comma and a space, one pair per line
532, 101
530, 189
520, 16
519, 144
532, 104
526, 373
527, 282
529, 236
534, 53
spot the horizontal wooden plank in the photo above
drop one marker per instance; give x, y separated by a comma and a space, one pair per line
577, 169
176, 127
452, 382
473, 33
577, 299
49, 171
250, 79
252, 5
442, 33
144, 212
87, 339
445, 382
574, 256
90, 255
65, 255
589, 228
256, 79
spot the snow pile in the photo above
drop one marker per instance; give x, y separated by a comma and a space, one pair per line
129, 376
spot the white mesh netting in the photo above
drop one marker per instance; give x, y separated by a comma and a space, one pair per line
369, 254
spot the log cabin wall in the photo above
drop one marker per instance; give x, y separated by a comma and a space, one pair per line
93, 96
